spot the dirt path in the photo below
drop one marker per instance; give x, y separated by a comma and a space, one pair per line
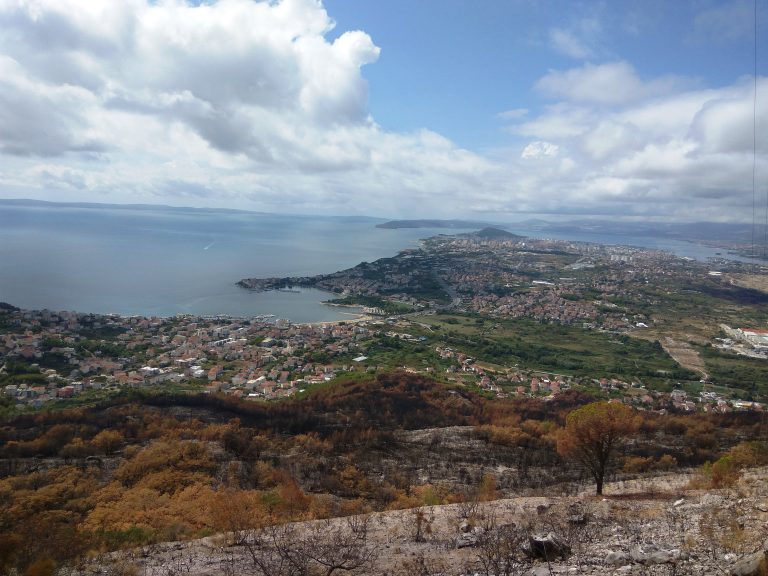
685, 355
752, 281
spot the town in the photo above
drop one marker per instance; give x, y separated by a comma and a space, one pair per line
56, 357
493, 272
507, 315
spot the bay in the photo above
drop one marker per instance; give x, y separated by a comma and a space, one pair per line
160, 262
681, 248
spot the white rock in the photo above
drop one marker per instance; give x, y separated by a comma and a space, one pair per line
616, 557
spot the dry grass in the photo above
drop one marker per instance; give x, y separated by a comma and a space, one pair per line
752, 281
682, 353
708, 524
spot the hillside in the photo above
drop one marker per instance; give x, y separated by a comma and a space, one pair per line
655, 527
494, 233
144, 468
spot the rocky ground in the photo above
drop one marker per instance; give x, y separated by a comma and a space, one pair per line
653, 526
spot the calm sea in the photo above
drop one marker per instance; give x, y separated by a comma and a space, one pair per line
163, 262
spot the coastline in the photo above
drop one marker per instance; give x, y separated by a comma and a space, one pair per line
337, 305
354, 317
358, 319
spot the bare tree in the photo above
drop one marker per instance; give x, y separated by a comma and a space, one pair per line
575, 527
276, 551
178, 564
422, 523
417, 566
468, 507
228, 564
342, 547
499, 549
324, 548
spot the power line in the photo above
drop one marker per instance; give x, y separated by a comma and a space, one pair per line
754, 138
755, 204
754, 147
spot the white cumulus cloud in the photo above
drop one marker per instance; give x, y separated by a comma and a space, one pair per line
255, 104
656, 148
240, 102
231, 102
610, 84
540, 149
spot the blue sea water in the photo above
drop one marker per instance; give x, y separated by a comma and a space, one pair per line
162, 262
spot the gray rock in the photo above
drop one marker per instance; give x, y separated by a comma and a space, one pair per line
577, 519
617, 558
466, 541
469, 539
544, 570
711, 500
547, 547
652, 554
751, 565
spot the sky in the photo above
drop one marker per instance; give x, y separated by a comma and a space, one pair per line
511, 109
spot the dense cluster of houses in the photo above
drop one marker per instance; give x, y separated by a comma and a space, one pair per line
65, 354
257, 358
519, 383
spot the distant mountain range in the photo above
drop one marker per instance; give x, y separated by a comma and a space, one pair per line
452, 224
709, 232
25, 202
105, 206
728, 232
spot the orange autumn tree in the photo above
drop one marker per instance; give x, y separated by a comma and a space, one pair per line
593, 432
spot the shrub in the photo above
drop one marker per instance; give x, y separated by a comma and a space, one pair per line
41, 568
666, 462
637, 464
725, 472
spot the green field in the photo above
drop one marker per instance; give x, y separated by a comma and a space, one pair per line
555, 348
733, 371
387, 306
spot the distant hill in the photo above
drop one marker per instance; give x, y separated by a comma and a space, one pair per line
105, 206
493, 233
431, 224
709, 232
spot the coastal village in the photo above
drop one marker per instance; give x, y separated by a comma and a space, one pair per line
499, 274
489, 276
67, 355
